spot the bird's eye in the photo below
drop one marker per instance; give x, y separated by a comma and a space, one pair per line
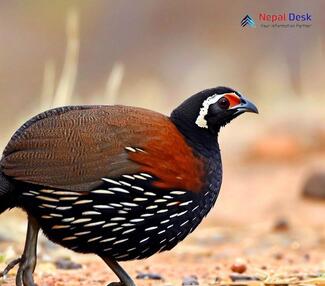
223, 103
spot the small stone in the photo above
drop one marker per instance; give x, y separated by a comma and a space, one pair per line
149, 276
240, 277
278, 256
315, 275
264, 267
190, 280
239, 266
66, 264
281, 224
314, 187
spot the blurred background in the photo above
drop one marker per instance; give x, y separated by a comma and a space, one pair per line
155, 54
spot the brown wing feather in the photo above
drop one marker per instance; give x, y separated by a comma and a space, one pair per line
74, 147
171, 160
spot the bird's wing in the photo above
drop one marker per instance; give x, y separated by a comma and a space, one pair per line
73, 148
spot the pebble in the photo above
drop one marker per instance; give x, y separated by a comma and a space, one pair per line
190, 280
306, 256
240, 277
314, 187
239, 266
264, 267
66, 264
281, 224
278, 256
151, 276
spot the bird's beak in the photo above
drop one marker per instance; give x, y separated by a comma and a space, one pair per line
245, 106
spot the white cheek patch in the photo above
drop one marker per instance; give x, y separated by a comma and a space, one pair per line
200, 120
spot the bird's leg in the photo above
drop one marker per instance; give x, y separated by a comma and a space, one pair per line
125, 279
27, 263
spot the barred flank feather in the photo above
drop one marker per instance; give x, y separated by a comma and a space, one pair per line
6, 188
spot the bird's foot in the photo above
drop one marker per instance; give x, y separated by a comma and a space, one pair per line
24, 275
25, 271
10, 266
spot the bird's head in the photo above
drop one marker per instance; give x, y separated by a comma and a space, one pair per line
211, 109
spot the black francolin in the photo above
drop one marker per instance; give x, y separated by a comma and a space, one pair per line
121, 182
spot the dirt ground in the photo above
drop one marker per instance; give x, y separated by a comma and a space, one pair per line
261, 225
265, 230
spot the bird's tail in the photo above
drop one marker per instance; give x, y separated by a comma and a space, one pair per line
6, 193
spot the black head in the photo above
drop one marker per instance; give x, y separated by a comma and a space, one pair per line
211, 109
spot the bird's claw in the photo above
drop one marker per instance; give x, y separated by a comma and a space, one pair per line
10, 266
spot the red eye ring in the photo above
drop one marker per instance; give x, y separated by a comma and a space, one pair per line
223, 103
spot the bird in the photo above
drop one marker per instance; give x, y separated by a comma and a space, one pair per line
117, 181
